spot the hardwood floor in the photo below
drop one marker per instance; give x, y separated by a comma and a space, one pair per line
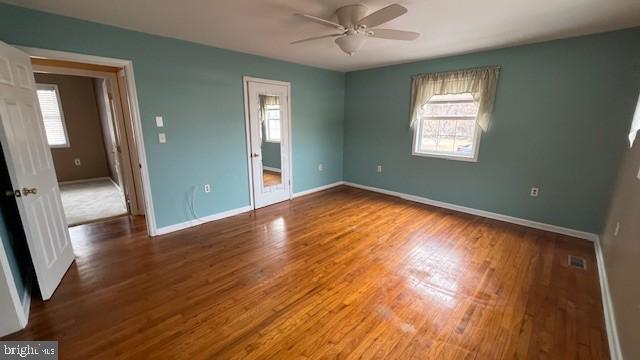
343, 273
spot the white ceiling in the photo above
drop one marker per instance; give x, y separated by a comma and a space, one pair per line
266, 27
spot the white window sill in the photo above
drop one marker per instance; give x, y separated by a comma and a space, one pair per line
446, 156
273, 141
60, 146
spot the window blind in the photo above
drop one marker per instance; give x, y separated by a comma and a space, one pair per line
52, 115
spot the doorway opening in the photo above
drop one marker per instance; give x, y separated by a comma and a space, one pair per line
87, 120
268, 124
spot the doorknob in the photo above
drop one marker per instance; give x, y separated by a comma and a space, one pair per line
11, 193
27, 191
255, 155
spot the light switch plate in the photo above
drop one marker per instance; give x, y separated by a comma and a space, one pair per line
162, 138
159, 121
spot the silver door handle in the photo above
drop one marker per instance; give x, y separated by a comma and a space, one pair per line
255, 155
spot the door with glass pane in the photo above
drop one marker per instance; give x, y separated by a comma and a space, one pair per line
269, 141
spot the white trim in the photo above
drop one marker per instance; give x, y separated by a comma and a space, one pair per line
202, 220
316, 189
491, 215
477, 136
615, 350
135, 114
84, 180
247, 133
247, 129
271, 168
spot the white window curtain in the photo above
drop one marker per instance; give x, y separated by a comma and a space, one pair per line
266, 100
479, 82
635, 124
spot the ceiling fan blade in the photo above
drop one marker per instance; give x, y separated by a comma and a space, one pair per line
321, 21
383, 15
315, 38
393, 34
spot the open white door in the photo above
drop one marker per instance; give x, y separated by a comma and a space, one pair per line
268, 105
31, 170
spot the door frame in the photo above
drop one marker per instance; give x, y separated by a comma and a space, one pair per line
247, 131
120, 123
127, 65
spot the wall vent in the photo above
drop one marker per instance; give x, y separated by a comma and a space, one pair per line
577, 262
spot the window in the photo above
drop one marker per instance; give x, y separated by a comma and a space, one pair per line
52, 116
447, 128
273, 123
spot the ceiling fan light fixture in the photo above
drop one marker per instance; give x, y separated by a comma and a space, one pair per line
351, 43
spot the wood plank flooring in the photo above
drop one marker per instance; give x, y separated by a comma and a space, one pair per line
344, 273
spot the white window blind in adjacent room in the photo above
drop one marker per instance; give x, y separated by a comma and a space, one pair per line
52, 116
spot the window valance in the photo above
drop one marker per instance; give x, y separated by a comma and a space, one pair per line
479, 82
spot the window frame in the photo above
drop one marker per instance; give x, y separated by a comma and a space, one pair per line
268, 138
477, 135
54, 87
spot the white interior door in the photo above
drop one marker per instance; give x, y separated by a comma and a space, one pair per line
31, 170
270, 142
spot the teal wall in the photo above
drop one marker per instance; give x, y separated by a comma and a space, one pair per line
198, 90
271, 154
561, 116
11, 255
561, 113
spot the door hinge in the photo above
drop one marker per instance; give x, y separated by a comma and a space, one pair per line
110, 96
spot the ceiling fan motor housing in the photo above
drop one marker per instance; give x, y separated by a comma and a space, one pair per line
349, 15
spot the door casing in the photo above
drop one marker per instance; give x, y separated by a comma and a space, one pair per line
247, 129
127, 65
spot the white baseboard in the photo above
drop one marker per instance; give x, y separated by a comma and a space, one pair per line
203, 220
271, 169
84, 180
609, 316
483, 213
316, 189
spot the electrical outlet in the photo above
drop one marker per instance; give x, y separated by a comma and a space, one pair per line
159, 121
617, 230
379, 168
162, 138
77, 161
535, 192
207, 188
320, 167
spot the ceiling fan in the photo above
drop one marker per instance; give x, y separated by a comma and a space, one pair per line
355, 26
